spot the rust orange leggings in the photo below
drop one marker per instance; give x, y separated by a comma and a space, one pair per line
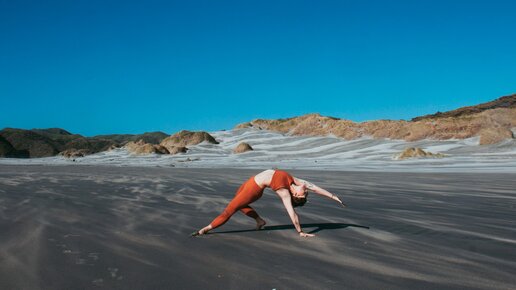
247, 193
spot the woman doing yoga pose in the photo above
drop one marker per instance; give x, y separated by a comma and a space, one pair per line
291, 190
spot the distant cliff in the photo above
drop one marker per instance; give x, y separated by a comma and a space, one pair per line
52, 141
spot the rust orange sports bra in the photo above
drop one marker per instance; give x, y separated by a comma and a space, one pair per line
281, 179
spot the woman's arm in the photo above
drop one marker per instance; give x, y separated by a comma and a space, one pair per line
318, 190
284, 194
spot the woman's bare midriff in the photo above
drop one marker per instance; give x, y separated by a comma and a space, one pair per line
263, 179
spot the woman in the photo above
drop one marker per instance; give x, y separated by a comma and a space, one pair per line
291, 190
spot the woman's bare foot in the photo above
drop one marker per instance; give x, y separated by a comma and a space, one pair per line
260, 223
202, 231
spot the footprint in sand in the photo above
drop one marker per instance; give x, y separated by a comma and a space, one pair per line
68, 251
98, 282
114, 273
70, 235
93, 256
80, 261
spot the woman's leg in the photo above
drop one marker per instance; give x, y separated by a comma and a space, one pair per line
250, 212
246, 194
232, 207
237, 203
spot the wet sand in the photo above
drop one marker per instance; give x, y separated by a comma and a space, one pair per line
99, 227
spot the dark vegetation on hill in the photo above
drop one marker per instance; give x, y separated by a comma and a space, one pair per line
503, 102
7, 150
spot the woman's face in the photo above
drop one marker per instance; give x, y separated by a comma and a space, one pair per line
298, 190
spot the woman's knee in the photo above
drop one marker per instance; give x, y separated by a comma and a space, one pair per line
226, 214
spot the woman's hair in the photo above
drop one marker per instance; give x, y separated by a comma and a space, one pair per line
298, 201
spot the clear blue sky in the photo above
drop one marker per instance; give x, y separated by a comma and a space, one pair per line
98, 67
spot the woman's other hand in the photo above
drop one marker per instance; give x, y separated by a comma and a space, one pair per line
336, 198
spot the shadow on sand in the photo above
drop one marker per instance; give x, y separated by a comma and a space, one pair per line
318, 228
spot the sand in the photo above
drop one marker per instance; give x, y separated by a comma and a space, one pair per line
102, 227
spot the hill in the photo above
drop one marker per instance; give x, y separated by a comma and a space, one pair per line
493, 122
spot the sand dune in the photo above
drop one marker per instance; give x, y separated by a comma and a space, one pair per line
492, 122
320, 153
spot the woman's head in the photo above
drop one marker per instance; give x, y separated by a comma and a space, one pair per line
299, 194
298, 201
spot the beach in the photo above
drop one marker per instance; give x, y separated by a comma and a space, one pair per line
104, 227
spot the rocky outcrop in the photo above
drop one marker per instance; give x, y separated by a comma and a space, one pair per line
140, 147
492, 124
242, 147
185, 138
177, 149
113, 147
75, 153
414, 152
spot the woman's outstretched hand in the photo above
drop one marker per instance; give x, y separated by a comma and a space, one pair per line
336, 198
305, 235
